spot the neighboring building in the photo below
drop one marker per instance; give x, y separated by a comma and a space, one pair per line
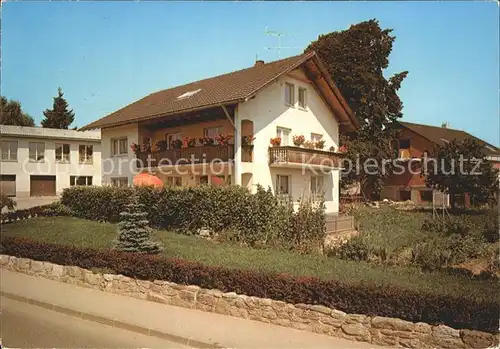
293, 96
43, 161
414, 140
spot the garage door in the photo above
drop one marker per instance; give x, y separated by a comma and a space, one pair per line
8, 185
42, 185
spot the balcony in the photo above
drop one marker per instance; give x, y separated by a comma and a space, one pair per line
194, 155
290, 156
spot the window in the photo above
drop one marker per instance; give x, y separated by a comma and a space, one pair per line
404, 144
317, 188
426, 195
189, 94
284, 134
302, 98
86, 154
119, 146
315, 137
62, 152
119, 182
174, 181
202, 180
282, 185
80, 180
170, 137
289, 94
212, 132
9, 151
37, 151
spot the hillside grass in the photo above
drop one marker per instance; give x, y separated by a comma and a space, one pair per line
84, 233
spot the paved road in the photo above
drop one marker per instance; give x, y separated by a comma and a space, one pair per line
28, 202
30, 326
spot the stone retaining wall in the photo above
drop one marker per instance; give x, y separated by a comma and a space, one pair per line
314, 318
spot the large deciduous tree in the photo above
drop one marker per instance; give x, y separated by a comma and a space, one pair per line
59, 116
356, 59
460, 167
11, 113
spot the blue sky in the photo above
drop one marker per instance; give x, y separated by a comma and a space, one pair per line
106, 55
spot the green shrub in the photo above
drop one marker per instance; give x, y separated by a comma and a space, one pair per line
442, 252
461, 225
57, 209
491, 227
252, 219
8, 203
362, 298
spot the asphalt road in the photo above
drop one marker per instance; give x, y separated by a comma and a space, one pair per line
29, 326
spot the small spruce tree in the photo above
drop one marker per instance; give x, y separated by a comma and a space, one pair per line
134, 233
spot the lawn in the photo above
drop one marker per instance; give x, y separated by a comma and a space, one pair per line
79, 232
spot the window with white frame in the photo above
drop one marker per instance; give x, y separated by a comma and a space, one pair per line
171, 137
212, 132
284, 134
316, 137
119, 182
174, 181
62, 152
86, 154
80, 180
317, 188
37, 151
289, 94
119, 146
9, 150
302, 98
283, 185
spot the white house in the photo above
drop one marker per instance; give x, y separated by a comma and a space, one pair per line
42, 161
286, 98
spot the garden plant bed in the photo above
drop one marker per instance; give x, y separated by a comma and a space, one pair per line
378, 330
349, 286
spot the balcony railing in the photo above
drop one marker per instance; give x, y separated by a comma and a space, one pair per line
296, 155
195, 155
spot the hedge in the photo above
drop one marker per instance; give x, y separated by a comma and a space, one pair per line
253, 217
457, 312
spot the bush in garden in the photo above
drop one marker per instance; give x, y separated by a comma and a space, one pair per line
442, 252
252, 218
453, 310
8, 203
460, 225
134, 233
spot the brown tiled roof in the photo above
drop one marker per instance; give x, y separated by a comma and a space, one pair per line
442, 135
222, 89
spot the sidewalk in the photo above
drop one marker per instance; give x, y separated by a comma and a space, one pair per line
197, 328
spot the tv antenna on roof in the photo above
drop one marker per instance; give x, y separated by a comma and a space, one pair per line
278, 35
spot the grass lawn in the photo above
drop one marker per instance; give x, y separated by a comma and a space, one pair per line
79, 232
397, 230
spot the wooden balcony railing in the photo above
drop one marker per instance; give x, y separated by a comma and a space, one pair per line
195, 155
296, 155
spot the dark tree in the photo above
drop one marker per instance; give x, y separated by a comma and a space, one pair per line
356, 59
134, 233
460, 167
59, 116
12, 114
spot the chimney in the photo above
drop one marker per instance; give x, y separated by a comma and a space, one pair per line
445, 124
259, 63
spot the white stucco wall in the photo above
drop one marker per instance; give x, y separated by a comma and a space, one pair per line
23, 168
119, 166
268, 111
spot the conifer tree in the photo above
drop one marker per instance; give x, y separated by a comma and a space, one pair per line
134, 233
60, 116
